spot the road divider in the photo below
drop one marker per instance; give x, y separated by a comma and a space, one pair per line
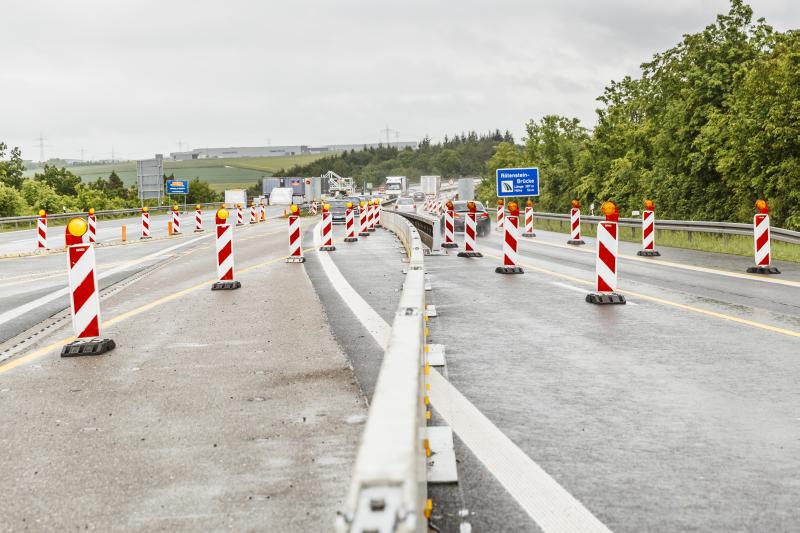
295, 237
761, 238
575, 224
648, 231
606, 259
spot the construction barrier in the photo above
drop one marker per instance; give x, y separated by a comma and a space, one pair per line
41, 229
239, 215
253, 214
145, 224
263, 212
378, 211
176, 220
606, 260
362, 220
510, 241
449, 227
470, 232
295, 239
370, 216
91, 231
500, 214
575, 224
198, 219
761, 241
224, 249
349, 223
648, 230
529, 220
327, 229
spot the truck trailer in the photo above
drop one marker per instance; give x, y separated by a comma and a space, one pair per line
431, 184
396, 186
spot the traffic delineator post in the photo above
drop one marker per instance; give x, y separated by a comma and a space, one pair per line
176, 219
84, 296
649, 230
41, 229
449, 226
529, 220
510, 240
91, 221
314, 208
198, 219
263, 212
501, 211
378, 211
575, 224
606, 259
349, 223
124, 233
145, 223
470, 231
224, 252
370, 215
253, 214
362, 220
327, 229
295, 238
239, 215
761, 241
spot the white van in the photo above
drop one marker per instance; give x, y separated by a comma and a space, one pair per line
281, 196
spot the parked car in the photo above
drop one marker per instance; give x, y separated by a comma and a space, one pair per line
419, 197
406, 204
484, 223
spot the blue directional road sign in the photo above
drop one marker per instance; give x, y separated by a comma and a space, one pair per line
517, 182
177, 187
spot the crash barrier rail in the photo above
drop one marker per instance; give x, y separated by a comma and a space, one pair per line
388, 491
721, 228
428, 228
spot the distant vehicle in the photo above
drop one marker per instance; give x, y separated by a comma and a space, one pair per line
484, 223
419, 196
235, 196
338, 211
396, 186
431, 184
281, 196
406, 204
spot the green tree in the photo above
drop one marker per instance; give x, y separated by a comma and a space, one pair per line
200, 192
60, 179
11, 170
12, 202
40, 195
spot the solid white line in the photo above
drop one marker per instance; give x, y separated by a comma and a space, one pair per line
553, 508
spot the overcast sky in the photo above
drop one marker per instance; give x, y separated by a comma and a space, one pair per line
139, 76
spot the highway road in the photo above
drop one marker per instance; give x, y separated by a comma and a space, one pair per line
242, 410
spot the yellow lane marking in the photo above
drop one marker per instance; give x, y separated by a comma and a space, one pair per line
14, 363
660, 262
662, 301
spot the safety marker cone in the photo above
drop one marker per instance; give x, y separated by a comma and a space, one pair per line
84, 297
575, 224
349, 223
761, 241
239, 215
145, 224
449, 227
314, 207
263, 212
41, 229
327, 229
606, 262
224, 248
362, 220
510, 240
295, 240
649, 230
91, 232
198, 220
378, 211
370, 216
529, 220
253, 215
176, 219
470, 231
500, 214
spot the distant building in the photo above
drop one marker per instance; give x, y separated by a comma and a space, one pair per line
278, 151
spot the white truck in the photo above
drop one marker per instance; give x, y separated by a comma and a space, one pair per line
396, 186
235, 196
431, 184
281, 196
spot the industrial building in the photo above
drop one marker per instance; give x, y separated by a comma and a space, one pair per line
278, 151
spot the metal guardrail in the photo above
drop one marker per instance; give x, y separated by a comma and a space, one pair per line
388, 491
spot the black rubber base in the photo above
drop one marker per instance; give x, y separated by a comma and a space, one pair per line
509, 270
144, 238
300, 259
363, 234
602, 298
225, 285
327, 248
378, 226
449, 245
88, 347
350, 239
575, 242
470, 254
648, 253
763, 270
529, 235
371, 229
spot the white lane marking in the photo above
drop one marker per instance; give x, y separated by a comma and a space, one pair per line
47, 298
549, 505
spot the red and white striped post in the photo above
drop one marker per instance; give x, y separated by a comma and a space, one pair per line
529, 220
253, 214
91, 231
575, 224
327, 229
649, 230
84, 297
362, 220
295, 239
606, 260
378, 211
224, 249
510, 241
263, 212
198, 219
314, 208
349, 224
501, 211
761, 239
470, 231
41, 229
371, 216
145, 223
176, 219
450, 227
239, 215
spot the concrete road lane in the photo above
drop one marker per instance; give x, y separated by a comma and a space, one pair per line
218, 410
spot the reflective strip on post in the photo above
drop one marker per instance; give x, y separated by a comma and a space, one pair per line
84, 299
606, 261
761, 239
648, 230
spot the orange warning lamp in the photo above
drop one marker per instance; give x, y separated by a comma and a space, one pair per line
42, 213
513, 209
576, 204
326, 208
530, 202
239, 206
377, 201
349, 205
197, 207
472, 207
609, 209
370, 202
649, 205
361, 204
450, 205
91, 210
762, 206
222, 215
500, 201
145, 209
76, 228
294, 209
